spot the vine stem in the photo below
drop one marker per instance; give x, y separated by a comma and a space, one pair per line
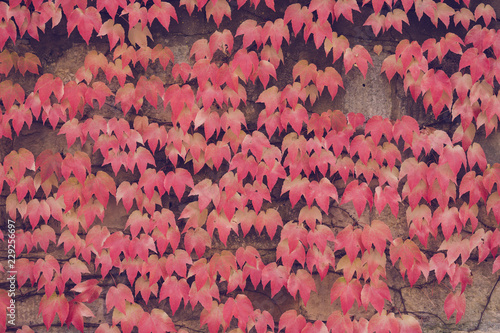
488, 299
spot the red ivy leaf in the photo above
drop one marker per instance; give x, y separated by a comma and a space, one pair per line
375, 292
359, 194
218, 10
276, 31
162, 11
291, 322
86, 21
350, 239
357, 55
348, 292
303, 282
114, 32
49, 306
455, 301
117, 296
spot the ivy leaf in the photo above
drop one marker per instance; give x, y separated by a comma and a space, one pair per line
476, 155
476, 61
322, 260
178, 261
437, 82
223, 225
117, 296
181, 69
378, 233
443, 12
460, 274
260, 320
276, 31
206, 192
29, 62
197, 239
454, 156
345, 8
264, 70
384, 321
117, 243
463, 16
176, 290
297, 188
251, 33
277, 275
298, 15
440, 265
321, 191
392, 65
271, 98
136, 13
156, 321
303, 282
291, 322
411, 257
233, 119
377, 126
375, 292
409, 324
218, 10
347, 291
256, 192
294, 116
455, 301
129, 96
144, 286
49, 306
474, 185
377, 22
359, 56
88, 291
487, 13
317, 327
395, 19
10, 92
359, 194
323, 9
138, 35
73, 270
86, 21
8, 29
178, 180
77, 164
78, 310
8, 60
351, 240
255, 143
269, 219
129, 320
221, 41
305, 71
162, 11
329, 78
387, 195
150, 88
114, 32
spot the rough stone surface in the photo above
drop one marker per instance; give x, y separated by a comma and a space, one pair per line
490, 146
370, 96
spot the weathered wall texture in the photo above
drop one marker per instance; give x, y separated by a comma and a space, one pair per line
371, 96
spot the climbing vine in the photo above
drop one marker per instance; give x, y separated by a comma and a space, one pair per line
208, 176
